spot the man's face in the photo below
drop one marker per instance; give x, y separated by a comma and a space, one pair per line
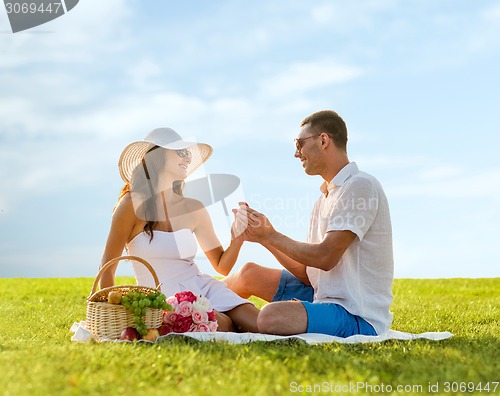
307, 150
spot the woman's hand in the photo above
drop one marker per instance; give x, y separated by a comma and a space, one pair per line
240, 224
256, 226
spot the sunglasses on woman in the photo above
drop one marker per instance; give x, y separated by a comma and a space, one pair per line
183, 153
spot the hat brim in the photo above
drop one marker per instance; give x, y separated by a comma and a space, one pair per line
133, 154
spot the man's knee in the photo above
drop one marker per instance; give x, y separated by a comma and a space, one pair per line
283, 318
271, 319
268, 321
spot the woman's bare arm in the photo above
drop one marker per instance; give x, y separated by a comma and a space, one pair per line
122, 225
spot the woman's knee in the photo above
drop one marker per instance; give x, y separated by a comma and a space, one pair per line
224, 322
239, 282
250, 271
254, 280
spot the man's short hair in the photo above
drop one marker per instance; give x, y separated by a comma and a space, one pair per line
328, 121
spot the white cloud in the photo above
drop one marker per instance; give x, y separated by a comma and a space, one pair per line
65, 261
240, 79
483, 184
439, 173
144, 75
93, 27
425, 258
301, 77
349, 16
452, 39
4, 208
422, 176
46, 151
323, 13
482, 38
491, 13
390, 161
32, 169
221, 119
45, 77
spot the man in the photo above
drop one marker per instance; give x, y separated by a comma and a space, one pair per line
340, 281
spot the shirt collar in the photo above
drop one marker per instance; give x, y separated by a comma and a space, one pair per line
340, 178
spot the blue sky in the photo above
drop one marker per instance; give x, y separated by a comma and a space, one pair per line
417, 83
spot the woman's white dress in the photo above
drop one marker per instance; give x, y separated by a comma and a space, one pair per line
171, 254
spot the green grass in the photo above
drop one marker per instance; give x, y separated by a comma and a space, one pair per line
38, 358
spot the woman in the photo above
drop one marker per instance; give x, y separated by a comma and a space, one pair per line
154, 221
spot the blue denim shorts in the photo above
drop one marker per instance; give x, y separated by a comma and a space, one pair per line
324, 318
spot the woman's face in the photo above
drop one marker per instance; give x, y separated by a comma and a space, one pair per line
177, 163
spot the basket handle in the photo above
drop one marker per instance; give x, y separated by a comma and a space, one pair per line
115, 260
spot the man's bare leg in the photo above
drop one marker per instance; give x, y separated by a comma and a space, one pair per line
254, 280
283, 318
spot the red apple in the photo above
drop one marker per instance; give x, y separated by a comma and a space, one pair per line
151, 335
164, 329
130, 334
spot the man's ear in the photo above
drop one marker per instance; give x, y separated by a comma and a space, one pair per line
325, 139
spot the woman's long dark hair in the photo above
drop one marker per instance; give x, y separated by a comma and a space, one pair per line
144, 177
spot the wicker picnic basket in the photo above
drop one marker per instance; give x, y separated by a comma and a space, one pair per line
106, 320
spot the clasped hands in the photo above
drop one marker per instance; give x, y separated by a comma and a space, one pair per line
250, 225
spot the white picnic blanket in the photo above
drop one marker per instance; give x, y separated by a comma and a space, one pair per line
83, 335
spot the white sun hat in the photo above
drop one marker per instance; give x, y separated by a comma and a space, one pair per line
167, 138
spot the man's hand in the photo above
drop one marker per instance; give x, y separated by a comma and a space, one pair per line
259, 227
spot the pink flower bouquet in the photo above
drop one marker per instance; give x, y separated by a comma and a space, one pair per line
188, 313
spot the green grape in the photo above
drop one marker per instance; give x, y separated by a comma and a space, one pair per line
143, 329
137, 303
